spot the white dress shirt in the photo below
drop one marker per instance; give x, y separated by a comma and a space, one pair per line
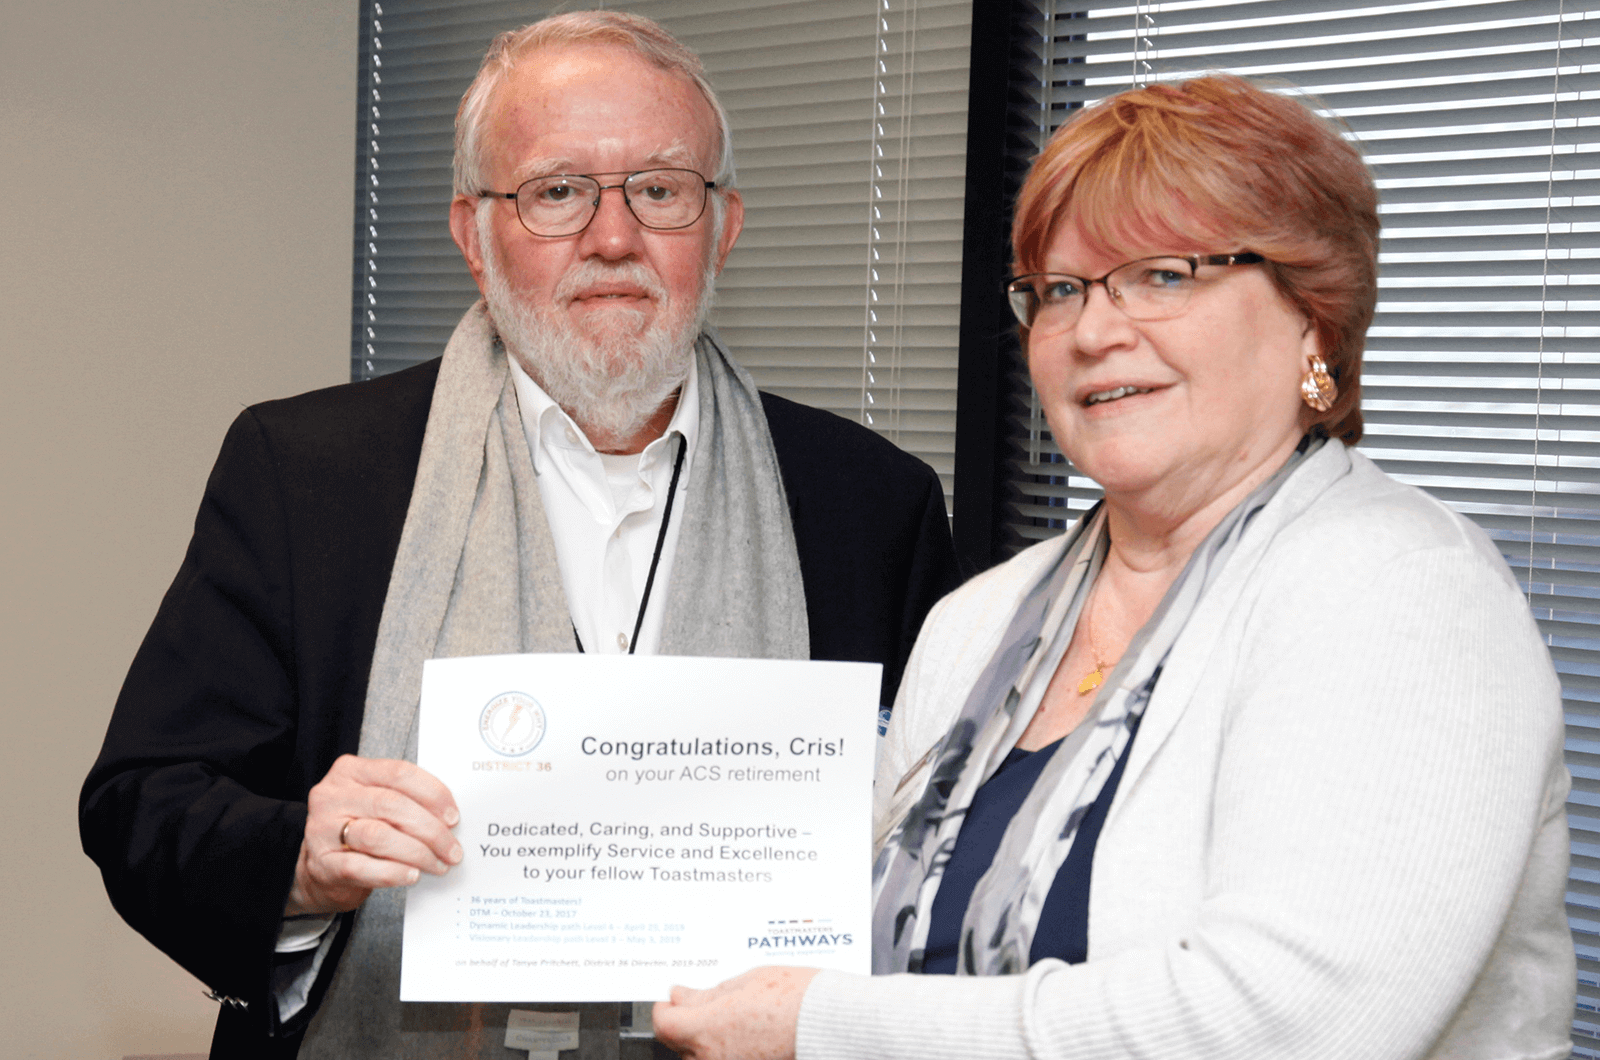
604, 513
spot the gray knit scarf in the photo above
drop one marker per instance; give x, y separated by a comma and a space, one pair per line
997, 930
476, 574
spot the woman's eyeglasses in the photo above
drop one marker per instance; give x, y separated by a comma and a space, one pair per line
1145, 289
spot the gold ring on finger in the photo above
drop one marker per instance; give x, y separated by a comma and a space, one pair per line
344, 833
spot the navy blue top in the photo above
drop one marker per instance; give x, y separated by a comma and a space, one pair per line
1063, 929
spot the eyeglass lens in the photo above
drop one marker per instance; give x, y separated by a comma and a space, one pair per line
1149, 289
564, 204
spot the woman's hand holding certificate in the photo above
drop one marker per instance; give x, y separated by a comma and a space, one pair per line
750, 1017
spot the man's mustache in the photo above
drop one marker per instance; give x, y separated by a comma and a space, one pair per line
590, 273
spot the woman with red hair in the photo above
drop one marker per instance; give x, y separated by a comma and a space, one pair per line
1263, 757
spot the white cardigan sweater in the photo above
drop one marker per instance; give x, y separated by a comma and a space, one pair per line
1341, 831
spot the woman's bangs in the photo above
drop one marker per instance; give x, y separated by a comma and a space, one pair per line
1116, 212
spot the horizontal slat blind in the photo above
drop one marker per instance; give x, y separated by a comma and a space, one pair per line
850, 130
1482, 371
412, 285
840, 109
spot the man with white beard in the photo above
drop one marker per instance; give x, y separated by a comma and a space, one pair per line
586, 468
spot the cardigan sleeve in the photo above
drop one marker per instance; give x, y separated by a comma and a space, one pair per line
187, 811
1390, 761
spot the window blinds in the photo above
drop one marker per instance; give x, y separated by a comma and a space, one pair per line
1482, 370
850, 131
849, 121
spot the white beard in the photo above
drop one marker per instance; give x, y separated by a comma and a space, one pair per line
612, 374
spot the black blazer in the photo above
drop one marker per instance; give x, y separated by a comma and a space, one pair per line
253, 676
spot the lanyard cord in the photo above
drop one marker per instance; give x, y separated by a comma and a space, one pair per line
655, 560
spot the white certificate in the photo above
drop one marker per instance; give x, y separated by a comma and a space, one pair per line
634, 822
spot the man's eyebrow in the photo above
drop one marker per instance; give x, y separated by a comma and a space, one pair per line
543, 167
677, 156
673, 156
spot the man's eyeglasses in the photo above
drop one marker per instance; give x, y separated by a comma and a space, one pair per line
563, 204
1146, 289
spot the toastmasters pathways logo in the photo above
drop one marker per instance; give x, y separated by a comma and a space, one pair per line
816, 936
512, 723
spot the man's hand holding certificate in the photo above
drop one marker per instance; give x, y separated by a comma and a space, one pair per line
634, 822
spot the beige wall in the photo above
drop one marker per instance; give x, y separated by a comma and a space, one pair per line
175, 196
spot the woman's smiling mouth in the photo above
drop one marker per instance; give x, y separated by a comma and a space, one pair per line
1101, 396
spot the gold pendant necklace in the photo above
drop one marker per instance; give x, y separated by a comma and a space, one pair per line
1096, 677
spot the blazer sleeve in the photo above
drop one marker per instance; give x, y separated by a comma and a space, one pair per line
931, 574
871, 533
189, 811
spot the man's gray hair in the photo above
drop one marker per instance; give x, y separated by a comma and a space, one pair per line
643, 36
